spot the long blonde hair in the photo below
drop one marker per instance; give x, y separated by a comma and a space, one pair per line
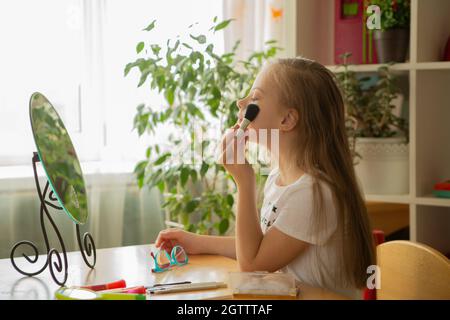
324, 153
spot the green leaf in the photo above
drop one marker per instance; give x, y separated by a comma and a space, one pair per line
175, 47
160, 81
205, 144
161, 186
187, 77
140, 181
223, 226
132, 65
269, 42
230, 200
222, 25
191, 206
162, 159
170, 96
213, 103
148, 152
186, 45
140, 167
200, 39
140, 46
204, 169
140, 108
139, 171
128, 68
236, 45
194, 176
155, 49
216, 92
184, 176
144, 76
209, 48
150, 26
192, 108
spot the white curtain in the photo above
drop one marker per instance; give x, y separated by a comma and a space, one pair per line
258, 21
119, 213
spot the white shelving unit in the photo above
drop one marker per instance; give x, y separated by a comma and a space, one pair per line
428, 79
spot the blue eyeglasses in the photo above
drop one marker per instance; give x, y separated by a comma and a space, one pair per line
163, 261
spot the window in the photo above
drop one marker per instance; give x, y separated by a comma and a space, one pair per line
42, 50
123, 31
74, 52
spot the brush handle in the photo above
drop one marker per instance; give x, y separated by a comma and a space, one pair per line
242, 127
239, 133
230, 140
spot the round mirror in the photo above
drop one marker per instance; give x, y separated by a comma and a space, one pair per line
58, 157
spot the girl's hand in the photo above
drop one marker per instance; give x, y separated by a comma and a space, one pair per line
233, 157
169, 238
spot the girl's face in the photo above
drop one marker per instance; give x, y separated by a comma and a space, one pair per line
264, 94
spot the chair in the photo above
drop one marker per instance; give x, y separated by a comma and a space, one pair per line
412, 271
378, 238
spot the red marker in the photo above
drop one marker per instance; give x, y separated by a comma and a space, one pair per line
106, 286
136, 290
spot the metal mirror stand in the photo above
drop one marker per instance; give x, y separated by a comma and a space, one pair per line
87, 246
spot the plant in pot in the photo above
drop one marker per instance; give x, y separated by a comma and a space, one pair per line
378, 136
392, 40
200, 89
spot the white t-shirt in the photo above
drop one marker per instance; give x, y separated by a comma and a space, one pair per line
290, 209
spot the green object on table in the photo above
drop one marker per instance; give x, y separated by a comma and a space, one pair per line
65, 293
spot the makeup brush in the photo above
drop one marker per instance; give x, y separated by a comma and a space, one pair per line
251, 112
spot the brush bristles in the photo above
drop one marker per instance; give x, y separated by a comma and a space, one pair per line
251, 112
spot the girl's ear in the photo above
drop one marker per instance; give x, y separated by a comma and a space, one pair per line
289, 120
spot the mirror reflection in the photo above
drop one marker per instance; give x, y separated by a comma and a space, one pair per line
58, 157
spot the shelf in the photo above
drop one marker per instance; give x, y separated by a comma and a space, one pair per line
441, 65
428, 200
404, 199
424, 81
371, 67
433, 201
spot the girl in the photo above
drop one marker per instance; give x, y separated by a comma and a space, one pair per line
313, 221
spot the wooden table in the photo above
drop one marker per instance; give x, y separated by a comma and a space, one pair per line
133, 264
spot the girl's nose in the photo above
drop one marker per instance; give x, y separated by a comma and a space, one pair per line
241, 103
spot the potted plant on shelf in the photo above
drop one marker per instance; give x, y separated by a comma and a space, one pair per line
200, 88
378, 136
392, 40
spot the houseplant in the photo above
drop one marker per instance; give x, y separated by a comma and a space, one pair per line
392, 40
200, 88
378, 136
